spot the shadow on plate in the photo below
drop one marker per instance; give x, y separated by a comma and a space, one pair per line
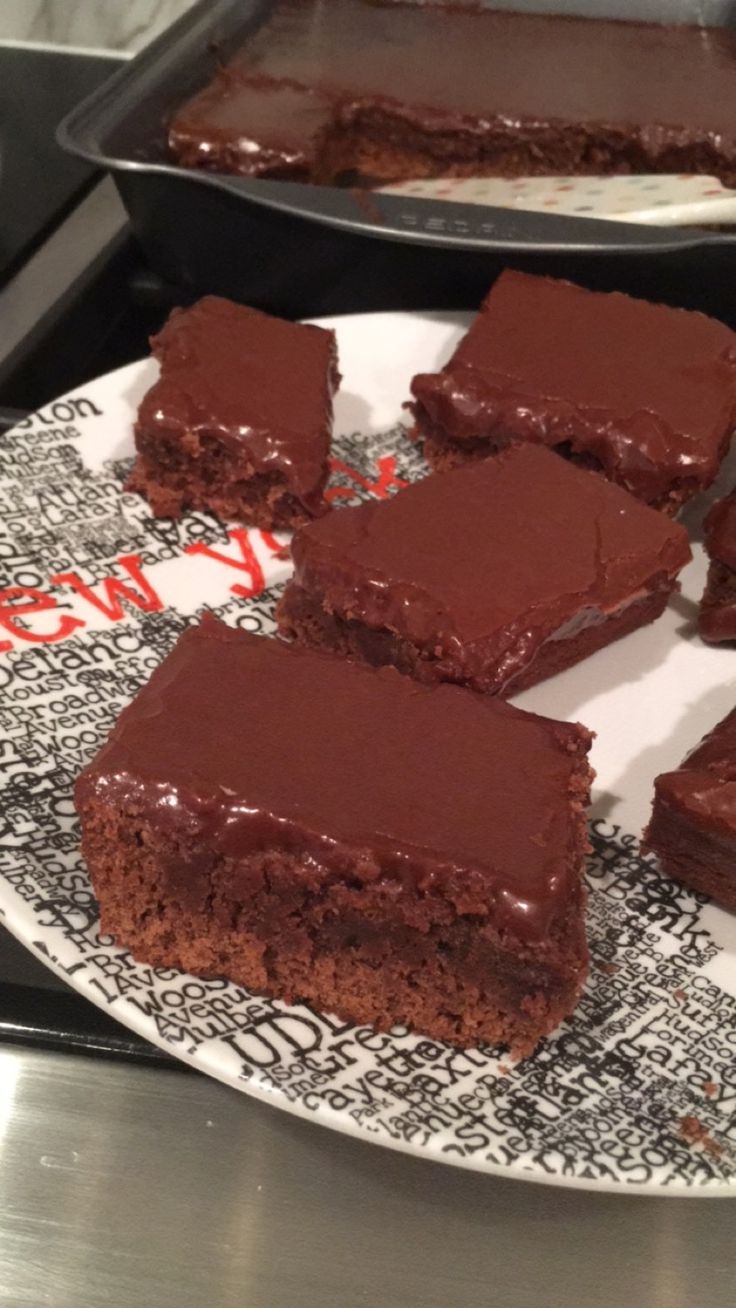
624, 662
352, 413
697, 718
693, 514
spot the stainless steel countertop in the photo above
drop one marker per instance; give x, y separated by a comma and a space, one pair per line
121, 1185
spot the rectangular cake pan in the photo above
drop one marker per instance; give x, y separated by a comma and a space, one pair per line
299, 249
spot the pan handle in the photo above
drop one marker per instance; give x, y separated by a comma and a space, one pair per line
423, 221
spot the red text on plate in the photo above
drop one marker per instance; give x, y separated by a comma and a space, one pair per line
246, 563
31, 601
111, 595
115, 590
385, 482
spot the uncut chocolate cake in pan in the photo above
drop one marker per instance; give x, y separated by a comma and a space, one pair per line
326, 90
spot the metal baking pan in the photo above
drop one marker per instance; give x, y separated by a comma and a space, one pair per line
300, 249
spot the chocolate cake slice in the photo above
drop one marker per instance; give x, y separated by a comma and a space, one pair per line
339, 90
644, 393
322, 832
693, 824
495, 575
240, 420
717, 616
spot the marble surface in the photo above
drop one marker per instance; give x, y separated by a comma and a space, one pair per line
117, 25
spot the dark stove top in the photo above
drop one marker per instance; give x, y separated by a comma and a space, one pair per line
104, 325
104, 321
39, 183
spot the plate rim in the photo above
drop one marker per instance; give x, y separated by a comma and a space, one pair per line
15, 914
329, 1119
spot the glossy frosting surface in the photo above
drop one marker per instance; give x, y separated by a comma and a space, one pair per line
255, 126
246, 742
408, 70
485, 562
468, 62
648, 390
498, 63
705, 784
256, 382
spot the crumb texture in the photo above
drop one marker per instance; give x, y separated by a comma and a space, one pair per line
373, 954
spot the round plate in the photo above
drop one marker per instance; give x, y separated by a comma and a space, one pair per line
636, 1091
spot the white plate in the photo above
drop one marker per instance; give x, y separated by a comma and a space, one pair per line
653, 1042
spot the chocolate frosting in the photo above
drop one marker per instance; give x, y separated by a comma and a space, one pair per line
242, 743
705, 784
255, 127
467, 71
482, 565
257, 383
720, 531
717, 615
648, 391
